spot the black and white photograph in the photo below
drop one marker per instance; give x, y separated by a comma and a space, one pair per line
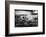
26, 18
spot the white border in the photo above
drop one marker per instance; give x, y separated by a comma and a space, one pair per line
12, 28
